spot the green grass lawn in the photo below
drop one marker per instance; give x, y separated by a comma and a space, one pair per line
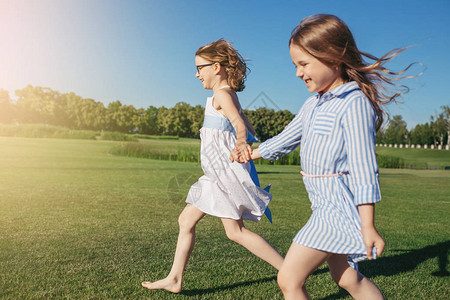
421, 158
76, 222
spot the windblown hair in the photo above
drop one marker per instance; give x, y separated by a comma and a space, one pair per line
328, 39
223, 53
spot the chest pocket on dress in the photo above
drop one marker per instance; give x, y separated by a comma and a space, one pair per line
324, 122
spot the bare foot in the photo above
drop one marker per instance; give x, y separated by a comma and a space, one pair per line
168, 284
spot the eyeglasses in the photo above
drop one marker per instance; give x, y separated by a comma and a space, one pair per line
199, 67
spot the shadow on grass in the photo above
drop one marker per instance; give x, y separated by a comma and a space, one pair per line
401, 263
213, 290
408, 261
386, 266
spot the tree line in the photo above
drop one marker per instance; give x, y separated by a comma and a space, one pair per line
40, 105
435, 132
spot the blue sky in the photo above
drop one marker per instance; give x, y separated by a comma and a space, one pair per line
142, 52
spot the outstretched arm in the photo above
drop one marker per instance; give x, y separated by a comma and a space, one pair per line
279, 145
285, 142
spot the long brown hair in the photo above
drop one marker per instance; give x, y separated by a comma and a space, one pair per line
222, 52
327, 38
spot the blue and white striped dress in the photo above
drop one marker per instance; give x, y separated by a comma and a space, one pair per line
337, 134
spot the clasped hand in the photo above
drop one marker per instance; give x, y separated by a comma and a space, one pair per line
241, 153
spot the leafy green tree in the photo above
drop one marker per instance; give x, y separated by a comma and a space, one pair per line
408, 137
282, 119
180, 120
84, 113
422, 134
37, 105
438, 128
397, 132
416, 134
148, 121
152, 120
96, 120
164, 122
264, 122
127, 119
6, 108
379, 138
196, 116
444, 116
121, 118
73, 111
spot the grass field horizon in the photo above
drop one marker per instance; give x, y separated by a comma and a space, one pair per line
174, 148
77, 222
186, 149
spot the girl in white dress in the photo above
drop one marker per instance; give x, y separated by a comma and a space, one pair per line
226, 189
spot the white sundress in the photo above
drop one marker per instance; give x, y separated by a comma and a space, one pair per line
226, 189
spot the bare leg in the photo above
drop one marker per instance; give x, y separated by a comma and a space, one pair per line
359, 286
187, 220
299, 263
257, 245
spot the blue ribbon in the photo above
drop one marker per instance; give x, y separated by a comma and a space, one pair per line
254, 176
224, 124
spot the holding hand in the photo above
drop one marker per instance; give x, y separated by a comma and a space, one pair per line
241, 153
245, 151
234, 155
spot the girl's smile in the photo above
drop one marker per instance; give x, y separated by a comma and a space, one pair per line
317, 76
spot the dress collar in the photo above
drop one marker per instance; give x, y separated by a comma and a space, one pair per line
338, 92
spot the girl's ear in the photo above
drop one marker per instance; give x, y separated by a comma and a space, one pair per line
217, 67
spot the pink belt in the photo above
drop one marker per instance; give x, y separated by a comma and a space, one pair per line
327, 175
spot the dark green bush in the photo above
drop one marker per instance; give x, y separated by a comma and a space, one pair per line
386, 161
156, 137
182, 154
117, 136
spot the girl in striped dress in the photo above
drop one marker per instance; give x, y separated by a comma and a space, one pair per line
227, 190
336, 131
